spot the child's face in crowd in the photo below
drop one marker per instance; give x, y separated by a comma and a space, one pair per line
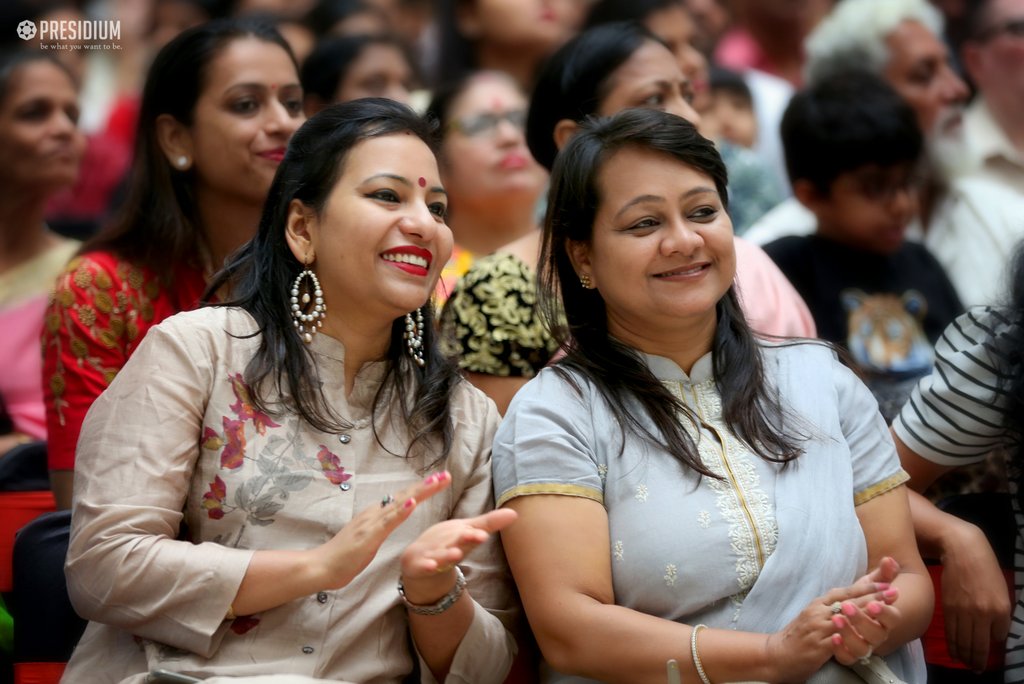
730, 117
870, 207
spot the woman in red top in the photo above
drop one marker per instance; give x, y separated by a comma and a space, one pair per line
219, 106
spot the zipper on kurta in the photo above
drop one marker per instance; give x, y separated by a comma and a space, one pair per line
758, 546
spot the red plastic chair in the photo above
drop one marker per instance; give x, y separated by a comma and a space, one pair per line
38, 673
17, 509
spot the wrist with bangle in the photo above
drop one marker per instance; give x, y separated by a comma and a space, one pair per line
440, 606
695, 654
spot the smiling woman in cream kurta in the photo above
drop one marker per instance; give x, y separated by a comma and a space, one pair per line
255, 481
265, 490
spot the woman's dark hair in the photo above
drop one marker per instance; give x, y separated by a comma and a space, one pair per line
618, 372
607, 11
260, 276
327, 14
846, 122
158, 226
12, 60
574, 80
457, 56
327, 65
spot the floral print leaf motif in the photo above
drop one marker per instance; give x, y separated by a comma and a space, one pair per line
213, 500
243, 406
234, 453
247, 492
211, 440
264, 509
332, 467
242, 624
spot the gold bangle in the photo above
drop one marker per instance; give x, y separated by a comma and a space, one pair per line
696, 656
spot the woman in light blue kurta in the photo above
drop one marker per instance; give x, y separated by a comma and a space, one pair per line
686, 492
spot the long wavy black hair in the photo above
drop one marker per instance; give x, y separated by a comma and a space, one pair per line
750, 408
259, 278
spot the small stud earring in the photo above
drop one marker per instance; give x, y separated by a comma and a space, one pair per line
181, 161
586, 282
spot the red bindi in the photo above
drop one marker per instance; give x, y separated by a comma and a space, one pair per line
423, 182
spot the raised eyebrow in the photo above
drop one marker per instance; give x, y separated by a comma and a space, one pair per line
699, 190
391, 176
640, 199
263, 86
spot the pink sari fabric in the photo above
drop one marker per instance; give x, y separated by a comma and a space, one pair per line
20, 386
771, 303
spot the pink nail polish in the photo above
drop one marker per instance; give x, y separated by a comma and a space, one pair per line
837, 640
839, 621
849, 610
443, 475
874, 608
891, 593
881, 586
430, 479
409, 503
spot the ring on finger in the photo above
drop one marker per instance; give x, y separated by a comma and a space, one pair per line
865, 659
836, 607
387, 501
441, 569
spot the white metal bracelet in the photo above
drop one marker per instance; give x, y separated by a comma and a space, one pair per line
446, 602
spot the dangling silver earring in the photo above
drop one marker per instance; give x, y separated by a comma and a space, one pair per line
306, 324
414, 337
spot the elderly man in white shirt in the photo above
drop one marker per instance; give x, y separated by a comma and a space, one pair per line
969, 223
993, 56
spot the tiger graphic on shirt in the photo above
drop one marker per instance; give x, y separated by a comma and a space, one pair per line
884, 331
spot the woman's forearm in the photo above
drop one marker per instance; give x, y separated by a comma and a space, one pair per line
274, 578
939, 533
437, 637
915, 603
616, 644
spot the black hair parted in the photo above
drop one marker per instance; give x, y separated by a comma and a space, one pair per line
607, 11
259, 278
843, 123
328, 64
574, 80
618, 372
11, 60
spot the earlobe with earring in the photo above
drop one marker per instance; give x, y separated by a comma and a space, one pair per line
586, 282
307, 324
181, 162
414, 337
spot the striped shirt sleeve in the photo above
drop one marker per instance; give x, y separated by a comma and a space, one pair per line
955, 415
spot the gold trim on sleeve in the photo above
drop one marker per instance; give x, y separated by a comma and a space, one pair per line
882, 487
551, 488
